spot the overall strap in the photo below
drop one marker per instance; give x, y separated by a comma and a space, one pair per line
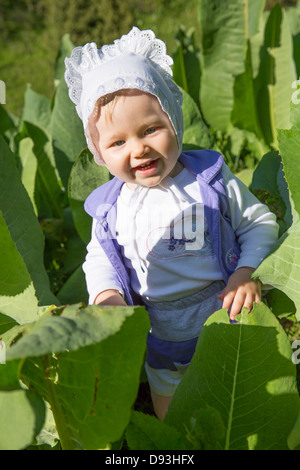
103, 198
101, 204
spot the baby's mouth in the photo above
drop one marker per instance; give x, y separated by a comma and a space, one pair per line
145, 167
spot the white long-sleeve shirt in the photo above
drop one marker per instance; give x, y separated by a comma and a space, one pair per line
166, 268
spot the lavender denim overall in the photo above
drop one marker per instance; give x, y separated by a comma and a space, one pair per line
101, 205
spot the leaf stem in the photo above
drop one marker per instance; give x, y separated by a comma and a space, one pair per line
229, 426
182, 68
61, 425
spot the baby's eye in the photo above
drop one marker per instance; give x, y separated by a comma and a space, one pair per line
119, 143
151, 130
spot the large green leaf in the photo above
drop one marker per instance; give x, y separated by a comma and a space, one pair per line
294, 437
247, 67
148, 433
47, 187
281, 268
17, 293
269, 183
85, 176
22, 412
29, 167
67, 132
6, 121
289, 142
204, 431
293, 16
225, 26
285, 74
36, 109
196, 133
186, 67
245, 372
244, 112
276, 75
74, 289
20, 222
86, 362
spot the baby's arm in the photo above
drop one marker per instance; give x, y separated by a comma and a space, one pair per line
110, 297
241, 291
256, 229
102, 284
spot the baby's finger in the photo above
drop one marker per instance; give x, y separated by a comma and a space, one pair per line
257, 299
248, 303
237, 305
221, 295
251, 297
227, 299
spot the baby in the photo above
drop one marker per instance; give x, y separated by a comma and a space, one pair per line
174, 231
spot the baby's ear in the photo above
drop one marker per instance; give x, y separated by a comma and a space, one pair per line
93, 140
94, 149
92, 130
94, 137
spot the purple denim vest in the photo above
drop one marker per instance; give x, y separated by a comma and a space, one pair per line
206, 166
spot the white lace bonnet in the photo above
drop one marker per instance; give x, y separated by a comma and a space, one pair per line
138, 61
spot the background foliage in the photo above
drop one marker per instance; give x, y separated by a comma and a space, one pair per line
73, 372
31, 30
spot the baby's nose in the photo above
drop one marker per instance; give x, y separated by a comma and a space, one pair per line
139, 149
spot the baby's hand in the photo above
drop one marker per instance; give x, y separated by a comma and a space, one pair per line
241, 291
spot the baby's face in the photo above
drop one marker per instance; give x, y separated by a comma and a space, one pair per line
137, 140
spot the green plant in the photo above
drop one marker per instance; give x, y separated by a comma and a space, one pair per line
241, 74
238, 376
72, 372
